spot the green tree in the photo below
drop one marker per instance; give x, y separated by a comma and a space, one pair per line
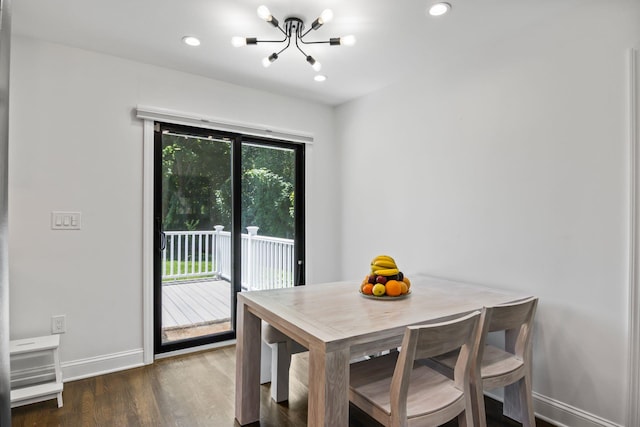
197, 186
193, 170
267, 202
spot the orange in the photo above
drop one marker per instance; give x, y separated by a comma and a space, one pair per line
404, 287
393, 288
367, 289
407, 281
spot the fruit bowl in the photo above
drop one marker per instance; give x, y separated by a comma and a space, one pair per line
385, 281
386, 297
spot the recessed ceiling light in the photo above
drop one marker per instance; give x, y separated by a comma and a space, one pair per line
191, 41
320, 78
438, 9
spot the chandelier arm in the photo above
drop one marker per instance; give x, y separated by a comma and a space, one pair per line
305, 33
283, 31
286, 47
299, 37
316, 42
303, 52
272, 41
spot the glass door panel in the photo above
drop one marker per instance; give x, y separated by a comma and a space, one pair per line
195, 289
271, 236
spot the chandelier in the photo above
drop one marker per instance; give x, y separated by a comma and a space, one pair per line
294, 29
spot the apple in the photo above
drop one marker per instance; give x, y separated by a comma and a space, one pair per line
381, 279
372, 279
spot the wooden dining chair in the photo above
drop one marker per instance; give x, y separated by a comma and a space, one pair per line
397, 391
506, 366
277, 349
275, 360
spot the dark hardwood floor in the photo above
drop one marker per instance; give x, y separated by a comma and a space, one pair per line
190, 391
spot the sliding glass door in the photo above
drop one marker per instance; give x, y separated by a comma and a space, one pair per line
229, 217
271, 215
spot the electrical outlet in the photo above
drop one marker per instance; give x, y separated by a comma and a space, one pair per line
59, 324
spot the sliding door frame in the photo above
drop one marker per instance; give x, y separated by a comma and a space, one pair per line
236, 141
158, 346
633, 375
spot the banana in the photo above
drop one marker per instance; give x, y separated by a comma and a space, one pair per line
384, 263
386, 272
383, 257
376, 268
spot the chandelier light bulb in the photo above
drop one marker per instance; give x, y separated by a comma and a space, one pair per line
314, 64
439, 9
349, 40
263, 13
266, 62
238, 41
326, 16
320, 78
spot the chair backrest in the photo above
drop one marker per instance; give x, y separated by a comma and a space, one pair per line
516, 319
425, 341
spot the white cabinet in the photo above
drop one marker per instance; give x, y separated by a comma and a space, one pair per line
39, 392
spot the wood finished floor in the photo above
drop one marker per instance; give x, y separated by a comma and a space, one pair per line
186, 391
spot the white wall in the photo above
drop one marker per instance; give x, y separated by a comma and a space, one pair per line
76, 145
509, 167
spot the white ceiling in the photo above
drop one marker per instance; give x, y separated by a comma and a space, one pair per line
394, 38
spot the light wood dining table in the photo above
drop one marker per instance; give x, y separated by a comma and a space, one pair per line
337, 324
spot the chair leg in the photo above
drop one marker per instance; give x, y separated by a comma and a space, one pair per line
477, 402
462, 419
265, 363
526, 402
280, 363
522, 408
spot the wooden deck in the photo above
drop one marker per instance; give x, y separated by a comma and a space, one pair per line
188, 304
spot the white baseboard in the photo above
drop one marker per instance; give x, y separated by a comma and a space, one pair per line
560, 414
93, 366
100, 365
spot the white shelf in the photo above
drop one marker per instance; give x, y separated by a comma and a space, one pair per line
31, 345
39, 392
36, 393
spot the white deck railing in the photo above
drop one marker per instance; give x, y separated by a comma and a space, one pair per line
267, 262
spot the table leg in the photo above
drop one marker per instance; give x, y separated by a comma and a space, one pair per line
328, 387
248, 339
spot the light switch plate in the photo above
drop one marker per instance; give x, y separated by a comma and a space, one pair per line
66, 220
